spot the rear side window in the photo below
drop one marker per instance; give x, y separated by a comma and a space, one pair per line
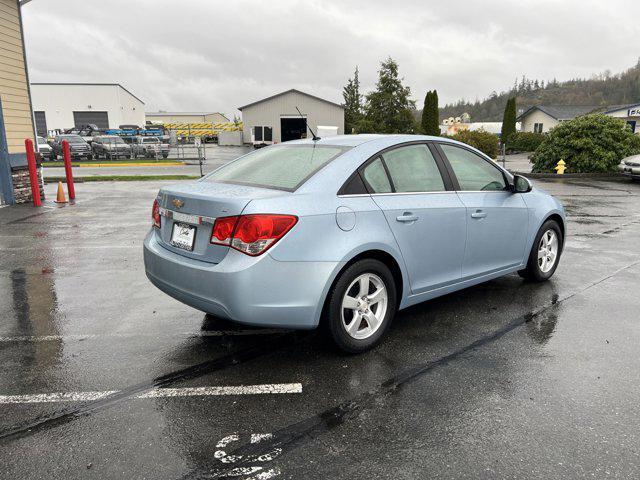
376, 177
473, 172
413, 169
283, 167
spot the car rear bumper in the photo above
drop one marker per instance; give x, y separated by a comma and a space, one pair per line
251, 290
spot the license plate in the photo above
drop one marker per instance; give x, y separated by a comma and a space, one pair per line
183, 236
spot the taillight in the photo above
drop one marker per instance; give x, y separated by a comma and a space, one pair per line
251, 234
155, 214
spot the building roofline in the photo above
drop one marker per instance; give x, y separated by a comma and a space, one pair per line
542, 108
185, 113
90, 84
621, 107
291, 90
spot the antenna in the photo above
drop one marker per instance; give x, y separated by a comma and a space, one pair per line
313, 135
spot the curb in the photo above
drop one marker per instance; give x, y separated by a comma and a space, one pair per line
568, 175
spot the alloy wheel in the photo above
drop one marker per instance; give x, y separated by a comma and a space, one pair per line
364, 306
547, 251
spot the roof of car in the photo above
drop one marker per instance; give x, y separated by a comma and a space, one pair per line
356, 140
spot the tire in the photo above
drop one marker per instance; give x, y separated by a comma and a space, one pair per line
338, 318
538, 269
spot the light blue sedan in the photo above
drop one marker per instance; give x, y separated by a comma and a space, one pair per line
345, 231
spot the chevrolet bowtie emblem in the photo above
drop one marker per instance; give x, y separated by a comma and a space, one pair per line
177, 203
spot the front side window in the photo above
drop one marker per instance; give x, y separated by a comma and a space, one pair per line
413, 169
537, 127
473, 172
283, 167
376, 177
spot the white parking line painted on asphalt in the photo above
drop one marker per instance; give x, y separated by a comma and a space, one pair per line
268, 388
56, 397
264, 389
87, 336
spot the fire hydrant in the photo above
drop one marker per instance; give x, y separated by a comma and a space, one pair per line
560, 168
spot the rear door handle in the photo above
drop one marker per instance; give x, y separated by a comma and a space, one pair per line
407, 217
478, 214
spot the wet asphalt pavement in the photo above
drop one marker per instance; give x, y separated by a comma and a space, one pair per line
504, 380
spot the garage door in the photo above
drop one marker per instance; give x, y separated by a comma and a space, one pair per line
41, 123
101, 119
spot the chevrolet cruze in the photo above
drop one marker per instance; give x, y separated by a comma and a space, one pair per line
345, 231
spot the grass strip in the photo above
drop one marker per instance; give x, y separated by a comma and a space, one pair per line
121, 178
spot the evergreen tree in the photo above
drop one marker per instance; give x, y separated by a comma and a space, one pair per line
509, 120
352, 103
430, 122
388, 108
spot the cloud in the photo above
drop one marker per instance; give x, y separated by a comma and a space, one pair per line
204, 55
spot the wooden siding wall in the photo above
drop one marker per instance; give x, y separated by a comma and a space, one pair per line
14, 89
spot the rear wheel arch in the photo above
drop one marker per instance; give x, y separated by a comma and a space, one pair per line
380, 255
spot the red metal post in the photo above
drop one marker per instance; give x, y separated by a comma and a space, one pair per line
33, 172
66, 153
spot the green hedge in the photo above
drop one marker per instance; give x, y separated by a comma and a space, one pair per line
588, 144
484, 141
525, 141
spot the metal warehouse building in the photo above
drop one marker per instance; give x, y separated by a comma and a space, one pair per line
277, 116
186, 117
67, 105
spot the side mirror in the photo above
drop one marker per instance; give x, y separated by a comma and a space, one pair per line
521, 184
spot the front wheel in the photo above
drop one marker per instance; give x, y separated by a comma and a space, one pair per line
362, 305
545, 253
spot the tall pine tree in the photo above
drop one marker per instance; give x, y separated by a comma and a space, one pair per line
508, 121
388, 108
430, 122
352, 104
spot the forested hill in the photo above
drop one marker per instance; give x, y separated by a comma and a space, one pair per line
603, 89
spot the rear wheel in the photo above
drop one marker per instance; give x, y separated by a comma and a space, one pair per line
545, 253
362, 305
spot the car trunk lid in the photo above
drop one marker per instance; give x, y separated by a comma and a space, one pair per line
189, 210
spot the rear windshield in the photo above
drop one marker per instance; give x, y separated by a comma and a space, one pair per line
283, 167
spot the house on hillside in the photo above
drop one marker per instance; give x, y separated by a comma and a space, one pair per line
542, 118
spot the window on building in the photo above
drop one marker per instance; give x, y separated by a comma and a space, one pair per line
537, 128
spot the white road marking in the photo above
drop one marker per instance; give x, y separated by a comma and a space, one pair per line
56, 397
87, 336
270, 388
248, 472
265, 389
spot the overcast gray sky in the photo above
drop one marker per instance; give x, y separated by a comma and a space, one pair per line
218, 55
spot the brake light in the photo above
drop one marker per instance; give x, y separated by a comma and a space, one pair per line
251, 234
155, 214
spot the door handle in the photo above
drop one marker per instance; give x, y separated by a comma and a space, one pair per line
478, 214
407, 217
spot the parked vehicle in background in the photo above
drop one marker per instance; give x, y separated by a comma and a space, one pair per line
87, 132
630, 167
346, 230
78, 147
110, 147
148, 147
46, 152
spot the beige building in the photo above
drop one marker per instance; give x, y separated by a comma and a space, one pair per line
186, 117
542, 118
275, 119
16, 121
